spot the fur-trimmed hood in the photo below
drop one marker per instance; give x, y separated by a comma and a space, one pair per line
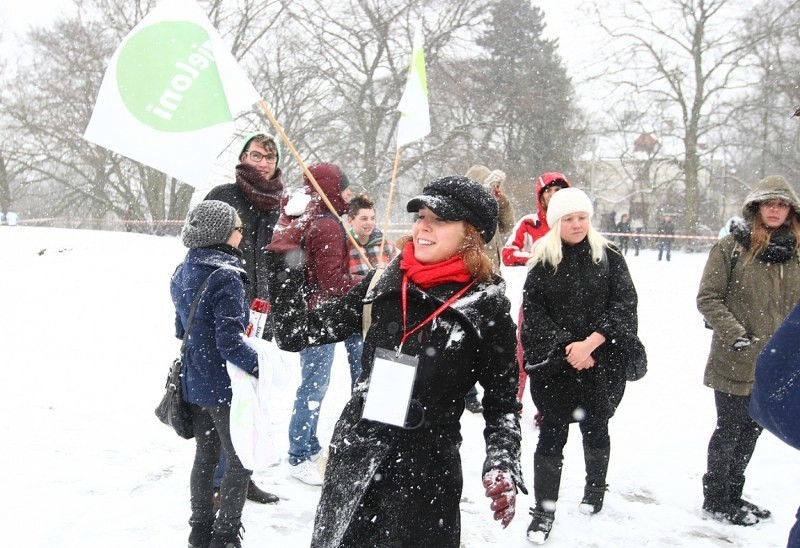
774, 187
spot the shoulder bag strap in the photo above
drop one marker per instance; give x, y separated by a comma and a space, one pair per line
192, 310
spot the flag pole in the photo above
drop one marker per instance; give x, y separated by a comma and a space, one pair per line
389, 205
299, 160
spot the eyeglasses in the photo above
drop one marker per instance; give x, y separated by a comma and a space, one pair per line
239, 229
775, 204
257, 156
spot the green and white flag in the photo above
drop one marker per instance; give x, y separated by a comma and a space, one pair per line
415, 120
170, 93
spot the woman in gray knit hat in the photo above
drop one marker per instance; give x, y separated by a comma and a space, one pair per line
750, 283
213, 232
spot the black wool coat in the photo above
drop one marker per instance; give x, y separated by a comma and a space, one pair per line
258, 226
389, 486
567, 305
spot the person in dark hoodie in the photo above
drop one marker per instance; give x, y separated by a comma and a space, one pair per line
439, 310
775, 400
256, 196
212, 232
750, 283
319, 236
579, 332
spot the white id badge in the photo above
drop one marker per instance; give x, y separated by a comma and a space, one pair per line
390, 386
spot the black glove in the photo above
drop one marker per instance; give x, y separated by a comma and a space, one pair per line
744, 341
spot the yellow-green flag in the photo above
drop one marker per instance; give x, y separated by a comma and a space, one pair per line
415, 119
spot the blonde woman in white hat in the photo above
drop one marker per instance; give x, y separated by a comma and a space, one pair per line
579, 328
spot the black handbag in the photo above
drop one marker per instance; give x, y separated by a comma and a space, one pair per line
172, 410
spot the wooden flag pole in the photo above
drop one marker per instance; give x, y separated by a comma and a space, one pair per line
299, 160
389, 205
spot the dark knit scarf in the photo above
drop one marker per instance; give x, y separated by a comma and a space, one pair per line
264, 193
429, 275
779, 249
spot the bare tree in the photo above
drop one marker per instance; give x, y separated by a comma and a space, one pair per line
764, 138
688, 56
358, 52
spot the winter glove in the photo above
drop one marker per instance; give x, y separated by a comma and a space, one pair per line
744, 341
501, 489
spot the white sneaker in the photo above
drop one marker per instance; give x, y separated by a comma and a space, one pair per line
307, 472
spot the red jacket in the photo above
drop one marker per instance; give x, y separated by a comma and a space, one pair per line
528, 229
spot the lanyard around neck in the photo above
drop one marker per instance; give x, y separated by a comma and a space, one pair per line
436, 313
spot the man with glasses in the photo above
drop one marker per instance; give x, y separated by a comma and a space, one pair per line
256, 196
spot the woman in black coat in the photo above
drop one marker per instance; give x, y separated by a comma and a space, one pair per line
579, 327
439, 306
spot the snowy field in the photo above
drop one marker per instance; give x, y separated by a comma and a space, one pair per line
87, 337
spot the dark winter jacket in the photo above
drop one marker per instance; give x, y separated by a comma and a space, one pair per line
321, 236
566, 306
775, 401
258, 226
219, 322
394, 479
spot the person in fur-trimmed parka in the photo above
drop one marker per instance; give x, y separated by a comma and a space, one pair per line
579, 328
388, 485
750, 283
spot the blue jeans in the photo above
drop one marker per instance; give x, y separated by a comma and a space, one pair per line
315, 366
354, 346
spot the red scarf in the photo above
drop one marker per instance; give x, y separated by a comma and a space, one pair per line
429, 275
264, 193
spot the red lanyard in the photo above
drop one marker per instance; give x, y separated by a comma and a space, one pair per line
404, 301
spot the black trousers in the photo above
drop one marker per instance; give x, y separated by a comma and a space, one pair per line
733, 441
212, 431
553, 436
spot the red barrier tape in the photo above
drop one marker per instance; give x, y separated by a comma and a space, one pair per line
402, 228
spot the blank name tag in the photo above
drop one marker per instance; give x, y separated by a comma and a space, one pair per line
390, 386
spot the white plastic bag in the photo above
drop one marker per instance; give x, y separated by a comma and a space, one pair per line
251, 427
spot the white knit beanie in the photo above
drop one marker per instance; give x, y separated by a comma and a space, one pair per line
211, 222
566, 201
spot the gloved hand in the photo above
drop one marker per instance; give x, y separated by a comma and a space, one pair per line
744, 341
501, 489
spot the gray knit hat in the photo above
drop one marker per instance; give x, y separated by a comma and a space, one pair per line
211, 222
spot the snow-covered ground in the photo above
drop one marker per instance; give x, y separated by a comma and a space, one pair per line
86, 324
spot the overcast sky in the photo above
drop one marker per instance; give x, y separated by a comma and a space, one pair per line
564, 21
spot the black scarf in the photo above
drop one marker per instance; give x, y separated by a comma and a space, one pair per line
781, 244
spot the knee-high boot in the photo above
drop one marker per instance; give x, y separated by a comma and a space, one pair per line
596, 459
546, 483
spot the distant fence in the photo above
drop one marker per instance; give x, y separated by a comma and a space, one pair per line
394, 228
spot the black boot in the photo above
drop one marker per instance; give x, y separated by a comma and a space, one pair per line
546, 483
596, 468
257, 495
200, 536
227, 538
718, 505
541, 525
736, 488
471, 401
